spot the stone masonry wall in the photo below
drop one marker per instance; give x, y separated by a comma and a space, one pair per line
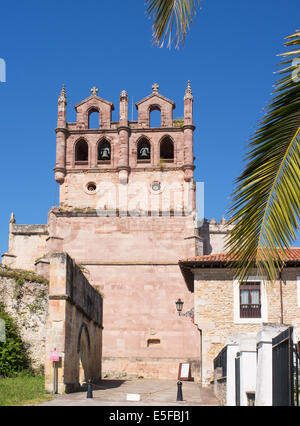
220, 386
134, 263
25, 298
175, 193
213, 235
27, 243
74, 326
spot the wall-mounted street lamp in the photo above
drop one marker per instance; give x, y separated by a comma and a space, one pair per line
179, 306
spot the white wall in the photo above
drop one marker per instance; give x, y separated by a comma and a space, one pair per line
245, 344
264, 389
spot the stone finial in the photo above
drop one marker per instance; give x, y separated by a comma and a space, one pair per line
223, 221
12, 218
94, 91
212, 221
123, 95
155, 87
63, 96
188, 91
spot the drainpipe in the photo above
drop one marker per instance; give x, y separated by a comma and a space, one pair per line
281, 296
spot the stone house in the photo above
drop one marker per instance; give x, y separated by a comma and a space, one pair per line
223, 307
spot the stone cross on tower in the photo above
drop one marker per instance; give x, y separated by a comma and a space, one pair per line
94, 91
155, 88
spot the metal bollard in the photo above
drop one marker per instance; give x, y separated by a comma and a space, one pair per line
89, 389
179, 391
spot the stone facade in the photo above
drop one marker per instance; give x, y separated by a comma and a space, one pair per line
26, 244
137, 271
123, 138
74, 326
213, 236
127, 214
219, 386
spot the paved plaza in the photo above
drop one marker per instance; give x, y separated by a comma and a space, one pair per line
152, 393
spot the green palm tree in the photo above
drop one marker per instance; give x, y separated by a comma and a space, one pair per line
265, 205
171, 16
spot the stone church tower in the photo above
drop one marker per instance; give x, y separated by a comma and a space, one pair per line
127, 215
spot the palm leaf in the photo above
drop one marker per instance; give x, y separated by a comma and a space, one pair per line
265, 205
171, 16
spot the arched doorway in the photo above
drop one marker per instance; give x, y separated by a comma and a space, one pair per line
83, 350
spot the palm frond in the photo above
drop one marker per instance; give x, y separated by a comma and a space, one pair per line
265, 207
171, 16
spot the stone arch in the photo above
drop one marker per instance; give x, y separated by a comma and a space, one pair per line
81, 152
84, 328
89, 113
143, 149
154, 107
104, 151
167, 149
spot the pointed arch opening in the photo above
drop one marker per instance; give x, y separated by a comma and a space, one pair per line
104, 152
94, 118
143, 151
81, 152
83, 350
167, 150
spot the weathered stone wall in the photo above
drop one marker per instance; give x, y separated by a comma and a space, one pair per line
94, 103
175, 193
27, 243
214, 310
134, 263
220, 385
74, 326
213, 235
157, 101
132, 260
123, 166
25, 298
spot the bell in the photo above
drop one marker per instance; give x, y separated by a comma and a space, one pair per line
105, 154
144, 152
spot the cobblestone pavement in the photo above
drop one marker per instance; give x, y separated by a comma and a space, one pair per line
152, 392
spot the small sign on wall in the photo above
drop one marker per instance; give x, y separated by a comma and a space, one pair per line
54, 356
184, 372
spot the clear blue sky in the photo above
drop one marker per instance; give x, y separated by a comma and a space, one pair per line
229, 56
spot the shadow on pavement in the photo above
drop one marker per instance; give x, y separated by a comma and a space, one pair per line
108, 384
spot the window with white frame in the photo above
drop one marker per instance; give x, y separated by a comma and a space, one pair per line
250, 301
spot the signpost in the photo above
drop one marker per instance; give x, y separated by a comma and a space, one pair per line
54, 357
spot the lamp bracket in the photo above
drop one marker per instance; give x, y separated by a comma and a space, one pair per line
189, 313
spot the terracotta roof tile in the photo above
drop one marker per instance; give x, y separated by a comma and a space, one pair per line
292, 254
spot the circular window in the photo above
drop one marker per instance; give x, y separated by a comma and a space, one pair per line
156, 186
91, 187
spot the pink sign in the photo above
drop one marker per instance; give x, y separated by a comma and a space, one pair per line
54, 356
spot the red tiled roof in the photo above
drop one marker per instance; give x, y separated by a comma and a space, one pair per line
291, 255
